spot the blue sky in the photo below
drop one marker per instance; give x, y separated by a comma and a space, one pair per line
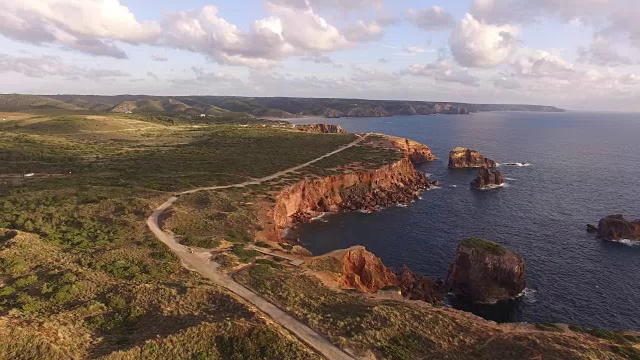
577, 54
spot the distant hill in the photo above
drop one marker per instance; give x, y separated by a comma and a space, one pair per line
276, 107
15, 102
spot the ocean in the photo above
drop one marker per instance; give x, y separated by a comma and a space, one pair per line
582, 167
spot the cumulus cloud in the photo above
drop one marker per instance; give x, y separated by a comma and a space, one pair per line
432, 19
317, 59
362, 31
474, 43
89, 26
44, 66
443, 71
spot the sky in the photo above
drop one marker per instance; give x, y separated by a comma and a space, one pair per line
575, 54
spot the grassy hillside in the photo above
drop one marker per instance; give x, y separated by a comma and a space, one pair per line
13, 102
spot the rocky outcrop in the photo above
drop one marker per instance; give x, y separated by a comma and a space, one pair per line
416, 152
370, 190
424, 288
465, 158
322, 128
488, 179
364, 271
332, 113
616, 227
486, 272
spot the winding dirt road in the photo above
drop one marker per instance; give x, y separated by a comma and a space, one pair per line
201, 263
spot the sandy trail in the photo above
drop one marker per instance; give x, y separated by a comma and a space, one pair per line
201, 263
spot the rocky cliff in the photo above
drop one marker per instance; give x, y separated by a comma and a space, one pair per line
424, 288
389, 185
616, 227
416, 152
466, 158
486, 272
322, 128
364, 271
488, 179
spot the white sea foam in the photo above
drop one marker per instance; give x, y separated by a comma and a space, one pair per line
510, 179
628, 242
529, 295
320, 217
434, 188
454, 186
515, 164
401, 205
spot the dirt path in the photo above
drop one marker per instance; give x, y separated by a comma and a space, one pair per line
201, 263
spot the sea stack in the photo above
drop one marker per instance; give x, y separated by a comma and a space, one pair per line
460, 158
488, 179
616, 227
486, 272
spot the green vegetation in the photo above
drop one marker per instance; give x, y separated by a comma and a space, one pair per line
326, 263
401, 330
94, 273
484, 245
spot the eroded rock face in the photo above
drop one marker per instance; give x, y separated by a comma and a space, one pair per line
322, 128
424, 288
486, 272
418, 153
616, 227
371, 190
488, 179
466, 158
365, 272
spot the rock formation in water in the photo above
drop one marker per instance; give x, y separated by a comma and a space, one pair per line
616, 227
592, 229
488, 179
424, 288
486, 272
466, 158
322, 128
364, 271
368, 190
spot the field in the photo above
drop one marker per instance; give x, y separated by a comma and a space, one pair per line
83, 277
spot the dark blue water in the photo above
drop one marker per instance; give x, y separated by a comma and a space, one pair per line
583, 166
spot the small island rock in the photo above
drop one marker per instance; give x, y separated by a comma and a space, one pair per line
465, 158
486, 272
488, 179
616, 227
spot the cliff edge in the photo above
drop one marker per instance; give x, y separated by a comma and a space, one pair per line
466, 158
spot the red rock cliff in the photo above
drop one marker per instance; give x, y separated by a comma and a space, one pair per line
466, 158
391, 184
364, 271
418, 153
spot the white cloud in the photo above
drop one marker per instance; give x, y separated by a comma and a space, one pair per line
204, 78
443, 71
414, 50
45, 66
433, 19
474, 43
159, 58
368, 75
362, 31
88, 26
525, 11
602, 52
341, 4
